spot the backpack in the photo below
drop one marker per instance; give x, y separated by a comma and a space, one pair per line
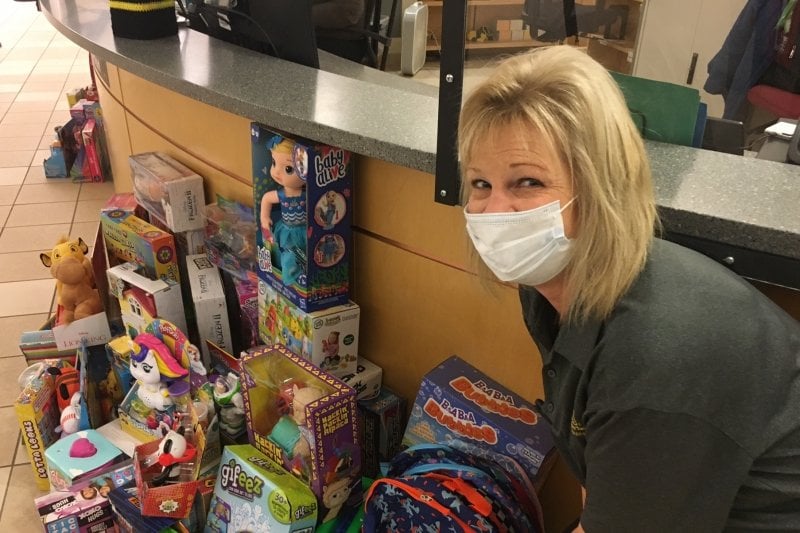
441, 488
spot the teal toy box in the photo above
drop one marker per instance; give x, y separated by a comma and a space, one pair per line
458, 402
303, 207
254, 493
82, 455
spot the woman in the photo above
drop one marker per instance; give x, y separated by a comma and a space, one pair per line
672, 386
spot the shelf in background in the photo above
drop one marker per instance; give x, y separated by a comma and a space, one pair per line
473, 3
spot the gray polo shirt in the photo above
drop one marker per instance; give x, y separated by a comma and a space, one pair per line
681, 412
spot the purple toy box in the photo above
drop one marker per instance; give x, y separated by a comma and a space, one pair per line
303, 212
305, 419
457, 401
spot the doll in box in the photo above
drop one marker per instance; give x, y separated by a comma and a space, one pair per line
289, 232
153, 365
291, 433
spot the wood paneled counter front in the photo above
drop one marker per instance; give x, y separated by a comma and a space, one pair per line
194, 98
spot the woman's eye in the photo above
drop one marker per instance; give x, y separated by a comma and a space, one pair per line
528, 182
480, 184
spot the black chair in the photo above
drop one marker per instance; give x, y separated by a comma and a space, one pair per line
378, 38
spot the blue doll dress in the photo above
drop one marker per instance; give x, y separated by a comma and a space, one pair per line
290, 236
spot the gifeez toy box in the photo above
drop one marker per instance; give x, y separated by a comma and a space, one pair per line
254, 493
303, 210
457, 401
305, 419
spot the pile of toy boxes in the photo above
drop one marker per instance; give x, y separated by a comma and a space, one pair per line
79, 149
226, 392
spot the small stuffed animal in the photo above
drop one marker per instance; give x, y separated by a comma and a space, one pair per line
75, 287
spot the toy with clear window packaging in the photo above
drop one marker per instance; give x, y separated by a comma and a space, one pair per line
169, 189
230, 236
302, 204
305, 419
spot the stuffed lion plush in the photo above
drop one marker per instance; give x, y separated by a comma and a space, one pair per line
75, 286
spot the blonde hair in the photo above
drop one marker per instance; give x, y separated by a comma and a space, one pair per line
573, 103
285, 146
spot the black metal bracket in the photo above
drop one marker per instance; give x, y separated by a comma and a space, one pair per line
451, 86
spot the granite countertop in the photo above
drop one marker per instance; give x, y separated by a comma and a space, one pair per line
748, 203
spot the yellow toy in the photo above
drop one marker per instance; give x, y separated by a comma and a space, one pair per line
75, 288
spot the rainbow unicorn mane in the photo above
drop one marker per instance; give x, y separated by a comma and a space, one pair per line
168, 366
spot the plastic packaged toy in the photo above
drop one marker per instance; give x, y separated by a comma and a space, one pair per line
303, 207
230, 237
305, 419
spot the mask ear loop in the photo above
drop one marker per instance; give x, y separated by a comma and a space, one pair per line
568, 204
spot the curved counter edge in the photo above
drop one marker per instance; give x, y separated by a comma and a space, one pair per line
742, 202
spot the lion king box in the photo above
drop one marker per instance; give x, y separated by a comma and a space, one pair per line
457, 401
254, 493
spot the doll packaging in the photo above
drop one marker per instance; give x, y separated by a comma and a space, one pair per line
305, 419
303, 208
169, 190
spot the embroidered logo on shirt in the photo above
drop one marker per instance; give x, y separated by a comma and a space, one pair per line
576, 428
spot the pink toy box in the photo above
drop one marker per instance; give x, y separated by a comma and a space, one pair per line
457, 401
305, 419
169, 189
254, 493
303, 201
79, 456
328, 337
129, 238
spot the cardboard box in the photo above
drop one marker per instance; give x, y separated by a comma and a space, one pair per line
254, 493
128, 514
516, 25
457, 401
328, 337
66, 468
129, 238
142, 300
382, 421
169, 189
38, 416
172, 499
278, 424
210, 309
503, 25
366, 380
306, 254
517, 35
41, 344
84, 508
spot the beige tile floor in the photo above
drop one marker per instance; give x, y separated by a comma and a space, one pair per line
37, 65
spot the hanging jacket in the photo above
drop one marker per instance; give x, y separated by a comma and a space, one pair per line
745, 55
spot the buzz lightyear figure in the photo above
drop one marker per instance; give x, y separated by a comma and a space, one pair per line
228, 396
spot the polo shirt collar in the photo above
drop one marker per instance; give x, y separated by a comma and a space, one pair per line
574, 342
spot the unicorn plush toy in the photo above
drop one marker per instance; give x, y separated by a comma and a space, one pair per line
153, 365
